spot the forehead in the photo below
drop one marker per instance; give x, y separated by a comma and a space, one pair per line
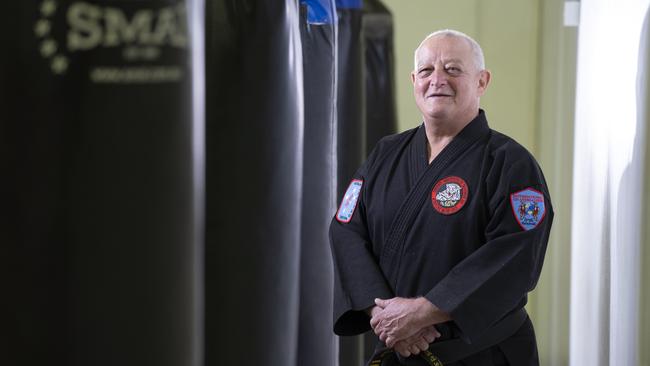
444, 48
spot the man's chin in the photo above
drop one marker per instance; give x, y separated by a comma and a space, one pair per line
439, 113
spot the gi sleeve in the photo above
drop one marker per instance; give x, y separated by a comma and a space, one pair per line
358, 280
494, 280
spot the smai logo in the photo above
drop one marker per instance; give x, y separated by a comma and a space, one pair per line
138, 35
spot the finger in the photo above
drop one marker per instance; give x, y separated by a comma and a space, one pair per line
383, 336
390, 341
374, 321
401, 348
377, 332
437, 333
410, 340
381, 303
430, 334
415, 339
414, 350
422, 344
429, 337
404, 351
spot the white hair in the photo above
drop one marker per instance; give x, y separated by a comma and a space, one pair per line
479, 59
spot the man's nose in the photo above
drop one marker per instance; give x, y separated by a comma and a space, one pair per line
438, 78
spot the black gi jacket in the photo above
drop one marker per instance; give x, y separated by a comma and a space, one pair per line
476, 261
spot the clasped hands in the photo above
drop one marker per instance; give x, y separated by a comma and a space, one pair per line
406, 325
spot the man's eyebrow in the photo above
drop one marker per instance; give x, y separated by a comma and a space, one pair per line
454, 60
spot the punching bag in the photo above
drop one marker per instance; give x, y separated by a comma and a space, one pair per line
351, 146
254, 131
379, 72
379, 94
317, 343
97, 218
351, 134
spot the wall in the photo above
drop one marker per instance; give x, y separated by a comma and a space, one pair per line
508, 32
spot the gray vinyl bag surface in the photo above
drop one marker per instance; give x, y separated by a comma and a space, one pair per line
379, 72
96, 216
254, 130
351, 144
351, 124
317, 344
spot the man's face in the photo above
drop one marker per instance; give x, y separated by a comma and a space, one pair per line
447, 83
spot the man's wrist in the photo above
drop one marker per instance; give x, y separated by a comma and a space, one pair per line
431, 313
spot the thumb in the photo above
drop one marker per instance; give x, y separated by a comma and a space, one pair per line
381, 303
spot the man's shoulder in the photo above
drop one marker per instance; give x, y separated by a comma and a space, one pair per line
505, 153
391, 142
399, 137
502, 144
388, 146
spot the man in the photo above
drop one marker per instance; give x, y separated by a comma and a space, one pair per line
442, 231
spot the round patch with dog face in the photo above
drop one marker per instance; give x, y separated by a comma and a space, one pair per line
449, 195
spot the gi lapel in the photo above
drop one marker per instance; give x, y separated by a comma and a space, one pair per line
418, 159
390, 258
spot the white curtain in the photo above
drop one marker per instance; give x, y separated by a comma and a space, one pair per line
608, 182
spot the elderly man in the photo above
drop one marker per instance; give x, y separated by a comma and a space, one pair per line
442, 231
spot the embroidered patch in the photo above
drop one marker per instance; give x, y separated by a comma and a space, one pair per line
528, 207
349, 202
449, 195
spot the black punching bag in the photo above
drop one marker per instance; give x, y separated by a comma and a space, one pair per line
317, 343
351, 133
254, 129
96, 213
379, 94
379, 72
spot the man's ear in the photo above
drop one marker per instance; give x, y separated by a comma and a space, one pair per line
413, 77
483, 81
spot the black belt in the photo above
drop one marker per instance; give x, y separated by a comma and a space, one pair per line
445, 352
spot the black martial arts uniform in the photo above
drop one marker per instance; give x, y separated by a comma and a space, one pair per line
468, 232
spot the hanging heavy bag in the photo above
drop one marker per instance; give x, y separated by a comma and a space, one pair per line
317, 343
97, 219
379, 74
254, 127
351, 133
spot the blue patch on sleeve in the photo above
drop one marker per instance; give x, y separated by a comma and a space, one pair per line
320, 11
528, 208
349, 202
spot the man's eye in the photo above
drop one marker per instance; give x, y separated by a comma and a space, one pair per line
453, 70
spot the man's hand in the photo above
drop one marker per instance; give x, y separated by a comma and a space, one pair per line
401, 318
373, 310
417, 343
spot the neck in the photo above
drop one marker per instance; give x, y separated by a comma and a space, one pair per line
440, 133
436, 145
